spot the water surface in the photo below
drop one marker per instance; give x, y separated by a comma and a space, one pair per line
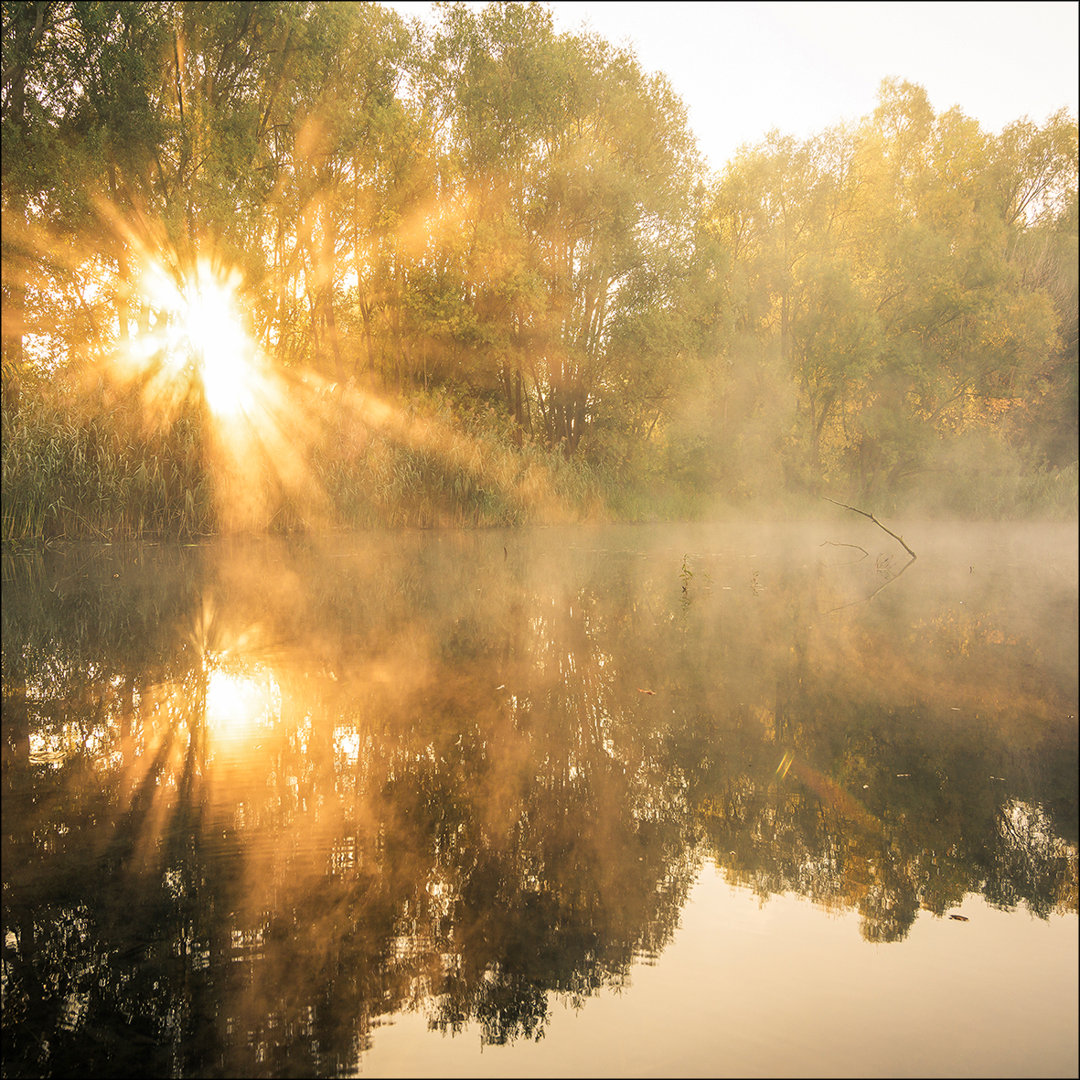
619, 801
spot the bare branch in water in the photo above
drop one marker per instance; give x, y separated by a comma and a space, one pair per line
856, 510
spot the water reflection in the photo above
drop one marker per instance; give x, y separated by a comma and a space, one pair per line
260, 797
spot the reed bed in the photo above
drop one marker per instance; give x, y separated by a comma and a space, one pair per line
438, 468
73, 473
69, 475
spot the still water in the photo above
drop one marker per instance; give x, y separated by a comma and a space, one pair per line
614, 801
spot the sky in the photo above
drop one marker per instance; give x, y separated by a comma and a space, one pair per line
743, 69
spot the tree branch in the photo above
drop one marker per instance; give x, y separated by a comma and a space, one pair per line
856, 510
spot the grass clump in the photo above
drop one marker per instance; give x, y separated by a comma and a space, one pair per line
76, 472
68, 474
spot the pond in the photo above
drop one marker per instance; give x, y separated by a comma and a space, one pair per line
711, 800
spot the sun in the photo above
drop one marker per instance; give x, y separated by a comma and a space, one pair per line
206, 334
196, 350
220, 346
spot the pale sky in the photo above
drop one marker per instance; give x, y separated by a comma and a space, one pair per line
744, 68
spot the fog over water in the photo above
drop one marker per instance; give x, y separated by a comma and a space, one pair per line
377, 803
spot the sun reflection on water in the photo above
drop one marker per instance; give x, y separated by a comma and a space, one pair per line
240, 705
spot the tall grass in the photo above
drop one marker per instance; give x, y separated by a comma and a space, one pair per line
72, 475
980, 476
77, 470
74, 472
439, 467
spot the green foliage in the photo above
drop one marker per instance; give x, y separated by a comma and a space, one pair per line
515, 218
906, 273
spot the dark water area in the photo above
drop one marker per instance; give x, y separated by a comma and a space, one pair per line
726, 800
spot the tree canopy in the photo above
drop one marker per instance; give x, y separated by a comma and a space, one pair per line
517, 218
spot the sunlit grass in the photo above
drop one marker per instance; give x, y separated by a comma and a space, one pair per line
422, 463
74, 474
360, 462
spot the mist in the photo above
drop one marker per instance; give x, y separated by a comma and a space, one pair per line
466, 561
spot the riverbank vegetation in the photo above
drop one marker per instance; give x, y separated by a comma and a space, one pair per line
288, 265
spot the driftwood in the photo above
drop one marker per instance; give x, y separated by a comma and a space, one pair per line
856, 510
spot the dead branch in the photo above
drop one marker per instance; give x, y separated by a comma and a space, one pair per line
856, 510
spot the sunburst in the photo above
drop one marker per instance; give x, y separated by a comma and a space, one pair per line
205, 334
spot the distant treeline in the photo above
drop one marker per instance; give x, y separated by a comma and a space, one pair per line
512, 226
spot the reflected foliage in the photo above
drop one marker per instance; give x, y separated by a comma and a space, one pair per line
259, 798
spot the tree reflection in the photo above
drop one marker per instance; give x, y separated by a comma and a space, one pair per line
257, 800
